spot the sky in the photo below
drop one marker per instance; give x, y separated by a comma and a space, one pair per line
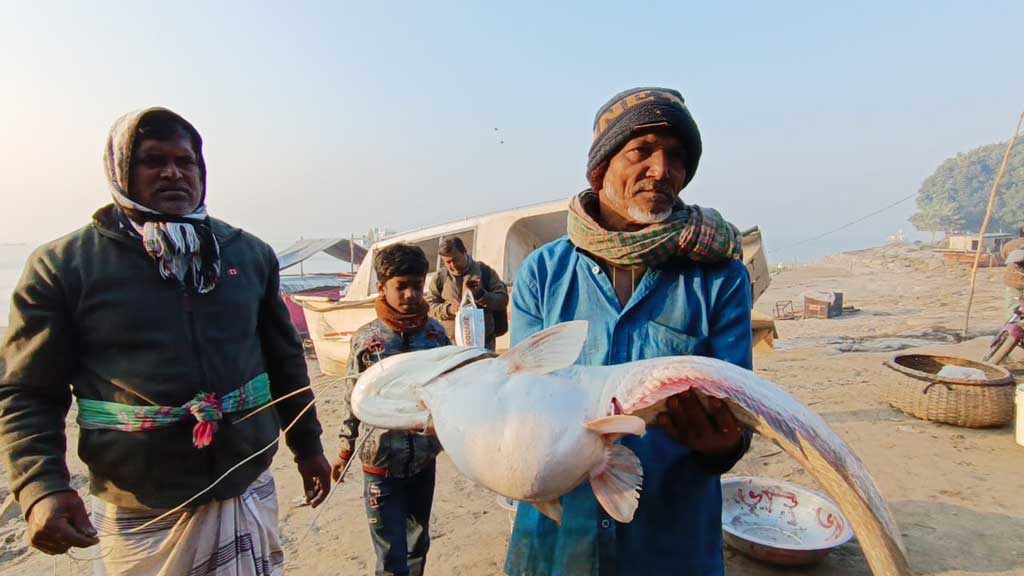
324, 119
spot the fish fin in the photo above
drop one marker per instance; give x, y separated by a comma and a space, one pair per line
617, 482
548, 350
552, 509
615, 427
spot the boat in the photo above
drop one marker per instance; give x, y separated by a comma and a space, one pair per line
502, 240
322, 287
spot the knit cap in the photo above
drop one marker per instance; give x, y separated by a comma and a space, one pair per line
629, 114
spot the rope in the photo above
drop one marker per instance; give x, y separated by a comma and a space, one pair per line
280, 437
273, 443
357, 453
341, 479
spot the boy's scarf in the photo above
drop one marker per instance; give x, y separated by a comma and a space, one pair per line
178, 244
699, 234
399, 321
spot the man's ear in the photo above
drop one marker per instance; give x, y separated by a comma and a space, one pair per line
380, 287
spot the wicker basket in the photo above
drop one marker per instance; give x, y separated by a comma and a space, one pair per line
972, 403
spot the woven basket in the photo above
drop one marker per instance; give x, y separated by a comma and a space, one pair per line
970, 403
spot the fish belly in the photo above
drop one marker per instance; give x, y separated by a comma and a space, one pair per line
523, 438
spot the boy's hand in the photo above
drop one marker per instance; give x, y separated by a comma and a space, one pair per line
339, 465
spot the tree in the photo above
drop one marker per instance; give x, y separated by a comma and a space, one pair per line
955, 196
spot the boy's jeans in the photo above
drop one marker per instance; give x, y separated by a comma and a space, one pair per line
398, 510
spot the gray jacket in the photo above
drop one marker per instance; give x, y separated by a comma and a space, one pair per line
445, 288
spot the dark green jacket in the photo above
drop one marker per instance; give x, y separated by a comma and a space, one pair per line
91, 315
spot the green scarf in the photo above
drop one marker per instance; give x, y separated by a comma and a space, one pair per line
699, 234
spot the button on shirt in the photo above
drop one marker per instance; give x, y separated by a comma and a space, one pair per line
679, 308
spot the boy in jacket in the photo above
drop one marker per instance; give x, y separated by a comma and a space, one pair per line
398, 467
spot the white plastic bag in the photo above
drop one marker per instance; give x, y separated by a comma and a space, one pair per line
469, 323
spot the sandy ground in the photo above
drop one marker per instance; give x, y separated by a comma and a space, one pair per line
955, 492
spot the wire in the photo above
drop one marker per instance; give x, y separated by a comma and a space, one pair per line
341, 479
847, 225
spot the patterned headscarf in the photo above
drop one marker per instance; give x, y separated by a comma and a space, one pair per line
182, 246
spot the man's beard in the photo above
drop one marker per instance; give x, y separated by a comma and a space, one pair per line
644, 216
641, 216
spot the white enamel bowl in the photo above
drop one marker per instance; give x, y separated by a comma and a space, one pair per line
780, 523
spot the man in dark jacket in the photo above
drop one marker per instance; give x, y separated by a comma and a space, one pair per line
167, 327
461, 272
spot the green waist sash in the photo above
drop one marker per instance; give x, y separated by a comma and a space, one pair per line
206, 408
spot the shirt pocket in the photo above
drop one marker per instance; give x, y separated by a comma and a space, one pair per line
664, 340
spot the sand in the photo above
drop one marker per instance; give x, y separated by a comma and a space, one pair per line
956, 493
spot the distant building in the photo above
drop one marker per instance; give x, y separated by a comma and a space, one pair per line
961, 249
377, 234
969, 243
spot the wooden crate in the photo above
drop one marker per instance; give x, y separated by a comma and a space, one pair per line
822, 308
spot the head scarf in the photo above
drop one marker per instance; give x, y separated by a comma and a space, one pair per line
183, 247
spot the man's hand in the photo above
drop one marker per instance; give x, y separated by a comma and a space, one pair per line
474, 285
339, 465
59, 521
713, 431
453, 309
316, 478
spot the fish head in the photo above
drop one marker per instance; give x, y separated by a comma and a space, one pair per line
389, 394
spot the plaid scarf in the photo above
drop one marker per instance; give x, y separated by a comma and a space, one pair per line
399, 321
700, 234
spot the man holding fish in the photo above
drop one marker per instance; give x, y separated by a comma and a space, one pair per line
654, 277
628, 389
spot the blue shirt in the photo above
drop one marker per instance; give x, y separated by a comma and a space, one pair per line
677, 309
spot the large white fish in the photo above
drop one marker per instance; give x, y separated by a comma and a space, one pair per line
532, 426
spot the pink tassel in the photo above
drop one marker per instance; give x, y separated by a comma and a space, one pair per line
202, 433
206, 408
